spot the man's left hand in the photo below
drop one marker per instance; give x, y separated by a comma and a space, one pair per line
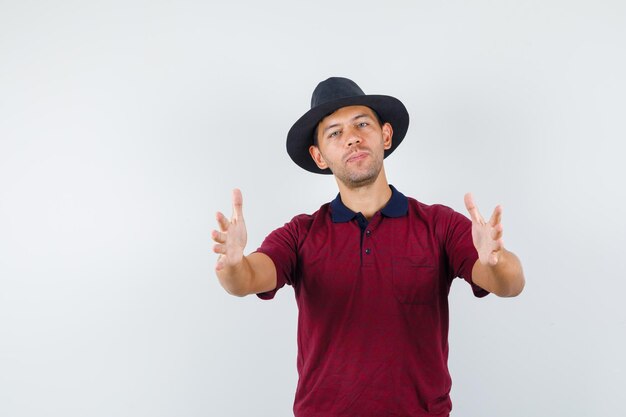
487, 236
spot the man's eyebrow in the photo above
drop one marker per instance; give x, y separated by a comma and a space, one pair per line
330, 127
353, 119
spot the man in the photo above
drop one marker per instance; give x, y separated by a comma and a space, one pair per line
371, 270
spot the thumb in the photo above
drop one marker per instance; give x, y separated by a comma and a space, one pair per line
237, 204
471, 208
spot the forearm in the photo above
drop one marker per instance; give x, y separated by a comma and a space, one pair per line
255, 274
236, 279
505, 279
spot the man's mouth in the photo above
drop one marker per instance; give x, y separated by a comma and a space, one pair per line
356, 156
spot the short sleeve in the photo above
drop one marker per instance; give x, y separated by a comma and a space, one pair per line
460, 250
282, 248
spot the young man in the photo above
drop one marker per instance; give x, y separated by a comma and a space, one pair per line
371, 270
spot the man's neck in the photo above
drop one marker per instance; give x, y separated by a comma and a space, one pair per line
367, 199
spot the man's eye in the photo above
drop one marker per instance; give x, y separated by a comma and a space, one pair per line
363, 124
334, 134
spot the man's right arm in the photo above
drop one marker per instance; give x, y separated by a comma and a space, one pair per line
240, 275
255, 274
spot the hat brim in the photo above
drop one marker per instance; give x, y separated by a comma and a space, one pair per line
300, 136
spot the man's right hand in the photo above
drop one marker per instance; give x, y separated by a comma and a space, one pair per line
240, 275
232, 237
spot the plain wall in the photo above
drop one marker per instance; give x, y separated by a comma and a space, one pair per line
124, 126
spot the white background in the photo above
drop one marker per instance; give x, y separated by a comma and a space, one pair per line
125, 124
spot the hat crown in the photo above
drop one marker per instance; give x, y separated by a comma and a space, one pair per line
334, 88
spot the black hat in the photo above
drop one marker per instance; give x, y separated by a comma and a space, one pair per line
333, 94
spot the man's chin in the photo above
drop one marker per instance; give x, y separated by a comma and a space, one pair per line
358, 181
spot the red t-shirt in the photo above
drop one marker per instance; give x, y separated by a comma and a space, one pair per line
373, 305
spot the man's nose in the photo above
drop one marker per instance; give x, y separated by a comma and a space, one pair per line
352, 137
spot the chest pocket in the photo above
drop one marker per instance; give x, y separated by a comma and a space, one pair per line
414, 283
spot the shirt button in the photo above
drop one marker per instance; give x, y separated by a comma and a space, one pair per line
368, 251
368, 232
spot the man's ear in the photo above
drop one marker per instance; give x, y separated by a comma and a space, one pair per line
317, 157
387, 135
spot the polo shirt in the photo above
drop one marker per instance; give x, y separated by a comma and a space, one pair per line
373, 305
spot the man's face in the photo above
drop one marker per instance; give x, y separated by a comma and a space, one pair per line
351, 143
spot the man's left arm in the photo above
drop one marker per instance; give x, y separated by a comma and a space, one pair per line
497, 270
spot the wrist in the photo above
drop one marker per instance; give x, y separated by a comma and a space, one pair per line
235, 278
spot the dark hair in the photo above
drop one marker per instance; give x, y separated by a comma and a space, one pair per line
315, 132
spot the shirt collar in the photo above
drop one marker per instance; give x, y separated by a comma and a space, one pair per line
397, 206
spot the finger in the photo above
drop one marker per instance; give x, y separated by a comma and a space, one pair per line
219, 237
219, 248
237, 205
219, 265
496, 216
472, 209
222, 221
496, 232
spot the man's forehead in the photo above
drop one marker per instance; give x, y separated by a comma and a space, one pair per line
347, 112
